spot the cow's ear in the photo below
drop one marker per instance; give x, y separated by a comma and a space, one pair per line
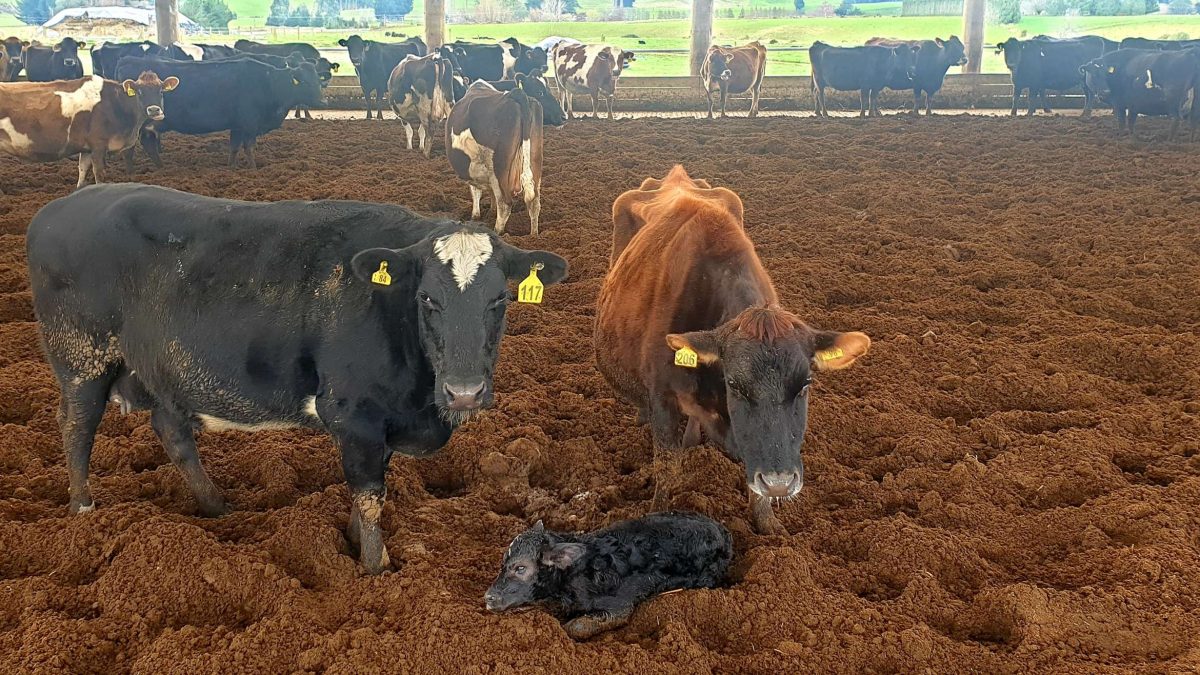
335, 66
516, 264
706, 344
563, 556
342, 42
24, 43
939, 42
56, 48
170, 83
833, 350
127, 85
81, 45
384, 267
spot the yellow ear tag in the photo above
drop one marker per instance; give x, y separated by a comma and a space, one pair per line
830, 354
686, 358
381, 275
295, 82
130, 91
531, 289
1112, 69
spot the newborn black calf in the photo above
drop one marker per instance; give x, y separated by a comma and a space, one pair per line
597, 578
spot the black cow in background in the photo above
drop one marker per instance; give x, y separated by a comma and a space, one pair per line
200, 52
1161, 45
866, 69
935, 57
535, 87
1147, 82
106, 56
60, 62
1047, 63
500, 61
374, 62
325, 67
244, 96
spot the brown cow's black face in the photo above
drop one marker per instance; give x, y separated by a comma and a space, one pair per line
766, 357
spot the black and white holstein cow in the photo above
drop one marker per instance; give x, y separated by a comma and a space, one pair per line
369, 321
494, 142
1147, 82
591, 70
421, 91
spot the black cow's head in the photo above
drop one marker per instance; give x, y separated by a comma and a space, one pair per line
532, 569
356, 47
65, 58
532, 61
904, 61
458, 279
953, 51
148, 90
552, 111
1095, 77
325, 70
305, 88
767, 356
1011, 48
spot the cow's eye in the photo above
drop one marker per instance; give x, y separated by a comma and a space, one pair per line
500, 301
426, 300
804, 391
519, 569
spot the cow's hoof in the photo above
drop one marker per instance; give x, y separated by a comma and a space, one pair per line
375, 560
213, 508
591, 625
77, 508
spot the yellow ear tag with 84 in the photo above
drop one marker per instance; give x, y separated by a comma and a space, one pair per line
530, 290
686, 357
381, 275
830, 354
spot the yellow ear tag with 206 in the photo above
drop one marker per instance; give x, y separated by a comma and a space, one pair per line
685, 357
830, 354
381, 275
530, 290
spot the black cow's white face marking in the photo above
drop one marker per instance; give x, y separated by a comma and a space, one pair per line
464, 253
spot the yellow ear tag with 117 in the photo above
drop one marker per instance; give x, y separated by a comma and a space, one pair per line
381, 275
830, 354
685, 357
530, 290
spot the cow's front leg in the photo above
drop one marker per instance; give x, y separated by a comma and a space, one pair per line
665, 421
99, 159
595, 105
763, 516
85, 165
408, 132
425, 144
174, 431
476, 198
365, 466
127, 155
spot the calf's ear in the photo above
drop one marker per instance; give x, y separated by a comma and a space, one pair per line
383, 268
516, 264
170, 83
833, 350
335, 66
562, 556
81, 45
706, 344
342, 42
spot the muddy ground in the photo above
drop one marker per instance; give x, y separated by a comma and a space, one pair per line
1007, 483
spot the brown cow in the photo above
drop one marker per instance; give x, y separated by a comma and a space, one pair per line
734, 70
689, 329
421, 91
44, 121
589, 69
14, 48
494, 141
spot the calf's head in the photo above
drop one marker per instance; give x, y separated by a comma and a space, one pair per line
148, 92
532, 569
458, 280
766, 356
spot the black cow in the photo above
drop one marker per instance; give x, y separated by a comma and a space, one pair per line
14, 47
868, 69
535, 88
1161, 45
106, 56
201, 52
1147, 82
371, 322
599, 577
500, 61
1045, 63
374, 62
325, 67
294, 60
60, 62
935, 57
244, 96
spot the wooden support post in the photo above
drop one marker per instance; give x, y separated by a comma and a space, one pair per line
166, 16
435, 23
974, 12
702, 21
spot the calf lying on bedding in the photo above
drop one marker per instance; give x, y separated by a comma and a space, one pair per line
597, 578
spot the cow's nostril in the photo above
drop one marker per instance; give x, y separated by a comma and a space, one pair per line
464, 397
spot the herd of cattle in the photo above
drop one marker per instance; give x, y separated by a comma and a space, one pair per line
249, 88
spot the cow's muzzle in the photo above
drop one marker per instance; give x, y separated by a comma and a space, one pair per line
70, 63
725, 74
154, 112
777, 484
464, 397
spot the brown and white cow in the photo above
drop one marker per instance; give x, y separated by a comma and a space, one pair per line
689, 329
421, 91
45, 121
494, 142
734, 70
591, 70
